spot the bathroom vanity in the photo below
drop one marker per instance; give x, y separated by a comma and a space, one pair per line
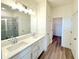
29, 48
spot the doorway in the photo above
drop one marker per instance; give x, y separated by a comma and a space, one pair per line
57, 30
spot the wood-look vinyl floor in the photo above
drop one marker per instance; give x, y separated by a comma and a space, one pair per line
55, 51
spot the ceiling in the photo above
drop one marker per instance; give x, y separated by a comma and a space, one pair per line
55, 3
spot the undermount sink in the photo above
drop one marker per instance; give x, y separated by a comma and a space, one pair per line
35, 36
16, 46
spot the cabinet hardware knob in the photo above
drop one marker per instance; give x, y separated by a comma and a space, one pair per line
75, 39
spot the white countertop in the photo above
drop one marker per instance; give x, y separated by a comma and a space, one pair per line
7, 54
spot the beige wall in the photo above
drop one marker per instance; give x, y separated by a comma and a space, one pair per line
62, 11
75, 6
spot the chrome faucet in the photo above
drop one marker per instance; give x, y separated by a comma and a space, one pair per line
14, 40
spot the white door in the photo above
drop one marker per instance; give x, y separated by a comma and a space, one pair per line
57, 26
74, 45
66, 32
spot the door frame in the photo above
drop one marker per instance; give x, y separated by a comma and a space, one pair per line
62, 28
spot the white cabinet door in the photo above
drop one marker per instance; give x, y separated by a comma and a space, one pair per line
15, 57
35, 50
41, 49
45, 43
26, 56
35, 55
38, 47
67, 32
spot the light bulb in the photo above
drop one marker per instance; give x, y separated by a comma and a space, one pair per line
3, 8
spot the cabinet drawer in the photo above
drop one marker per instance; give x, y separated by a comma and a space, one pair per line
35, 54
35, 46
26, 56
21, 54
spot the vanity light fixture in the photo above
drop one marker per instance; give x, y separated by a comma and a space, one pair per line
25, 11
4, 19
30, 11
17, 6
3, 8
13, 6
21, 8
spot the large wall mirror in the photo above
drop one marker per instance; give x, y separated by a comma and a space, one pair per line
13, 22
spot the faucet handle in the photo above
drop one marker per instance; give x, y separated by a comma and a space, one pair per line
14, 40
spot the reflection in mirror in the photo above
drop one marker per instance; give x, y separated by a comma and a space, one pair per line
13, 22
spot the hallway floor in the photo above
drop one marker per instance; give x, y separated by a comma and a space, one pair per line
55, 51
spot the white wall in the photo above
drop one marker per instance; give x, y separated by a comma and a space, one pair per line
75, 6
41, 12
